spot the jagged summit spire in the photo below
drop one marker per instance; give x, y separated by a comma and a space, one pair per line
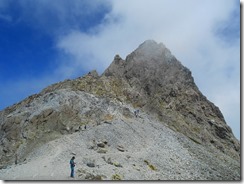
148, 44
149, 56
150, 50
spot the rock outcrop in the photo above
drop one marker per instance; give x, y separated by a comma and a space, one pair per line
151, 80
163, 86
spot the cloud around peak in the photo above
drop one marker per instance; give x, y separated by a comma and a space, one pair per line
192, 30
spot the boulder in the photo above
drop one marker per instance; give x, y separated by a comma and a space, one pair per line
102, 150
121, 148
101, 144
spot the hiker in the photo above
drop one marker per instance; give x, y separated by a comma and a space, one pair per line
16, 159
72, 166
136, 112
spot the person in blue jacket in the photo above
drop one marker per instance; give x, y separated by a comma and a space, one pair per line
72, 166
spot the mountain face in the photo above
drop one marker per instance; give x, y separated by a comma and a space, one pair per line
165, 87
178, 134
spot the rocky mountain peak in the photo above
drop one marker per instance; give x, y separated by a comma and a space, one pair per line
151, 51
151, 66
162, 85
94, 115
150, 55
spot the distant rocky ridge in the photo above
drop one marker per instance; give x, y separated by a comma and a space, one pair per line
150, 79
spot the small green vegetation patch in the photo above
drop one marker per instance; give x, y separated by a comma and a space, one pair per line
116, 177
152, 167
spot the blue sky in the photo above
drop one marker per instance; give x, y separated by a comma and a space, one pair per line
43, 42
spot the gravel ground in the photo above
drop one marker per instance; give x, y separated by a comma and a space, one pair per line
129, 149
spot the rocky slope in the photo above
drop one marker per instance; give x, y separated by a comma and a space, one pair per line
178, 135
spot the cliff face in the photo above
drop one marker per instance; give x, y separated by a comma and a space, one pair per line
163, 86
150, 79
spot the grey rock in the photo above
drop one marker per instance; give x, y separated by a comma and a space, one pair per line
121, 148
102, 150
90, 164
101, 144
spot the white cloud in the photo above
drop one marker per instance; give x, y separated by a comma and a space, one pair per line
187, 28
